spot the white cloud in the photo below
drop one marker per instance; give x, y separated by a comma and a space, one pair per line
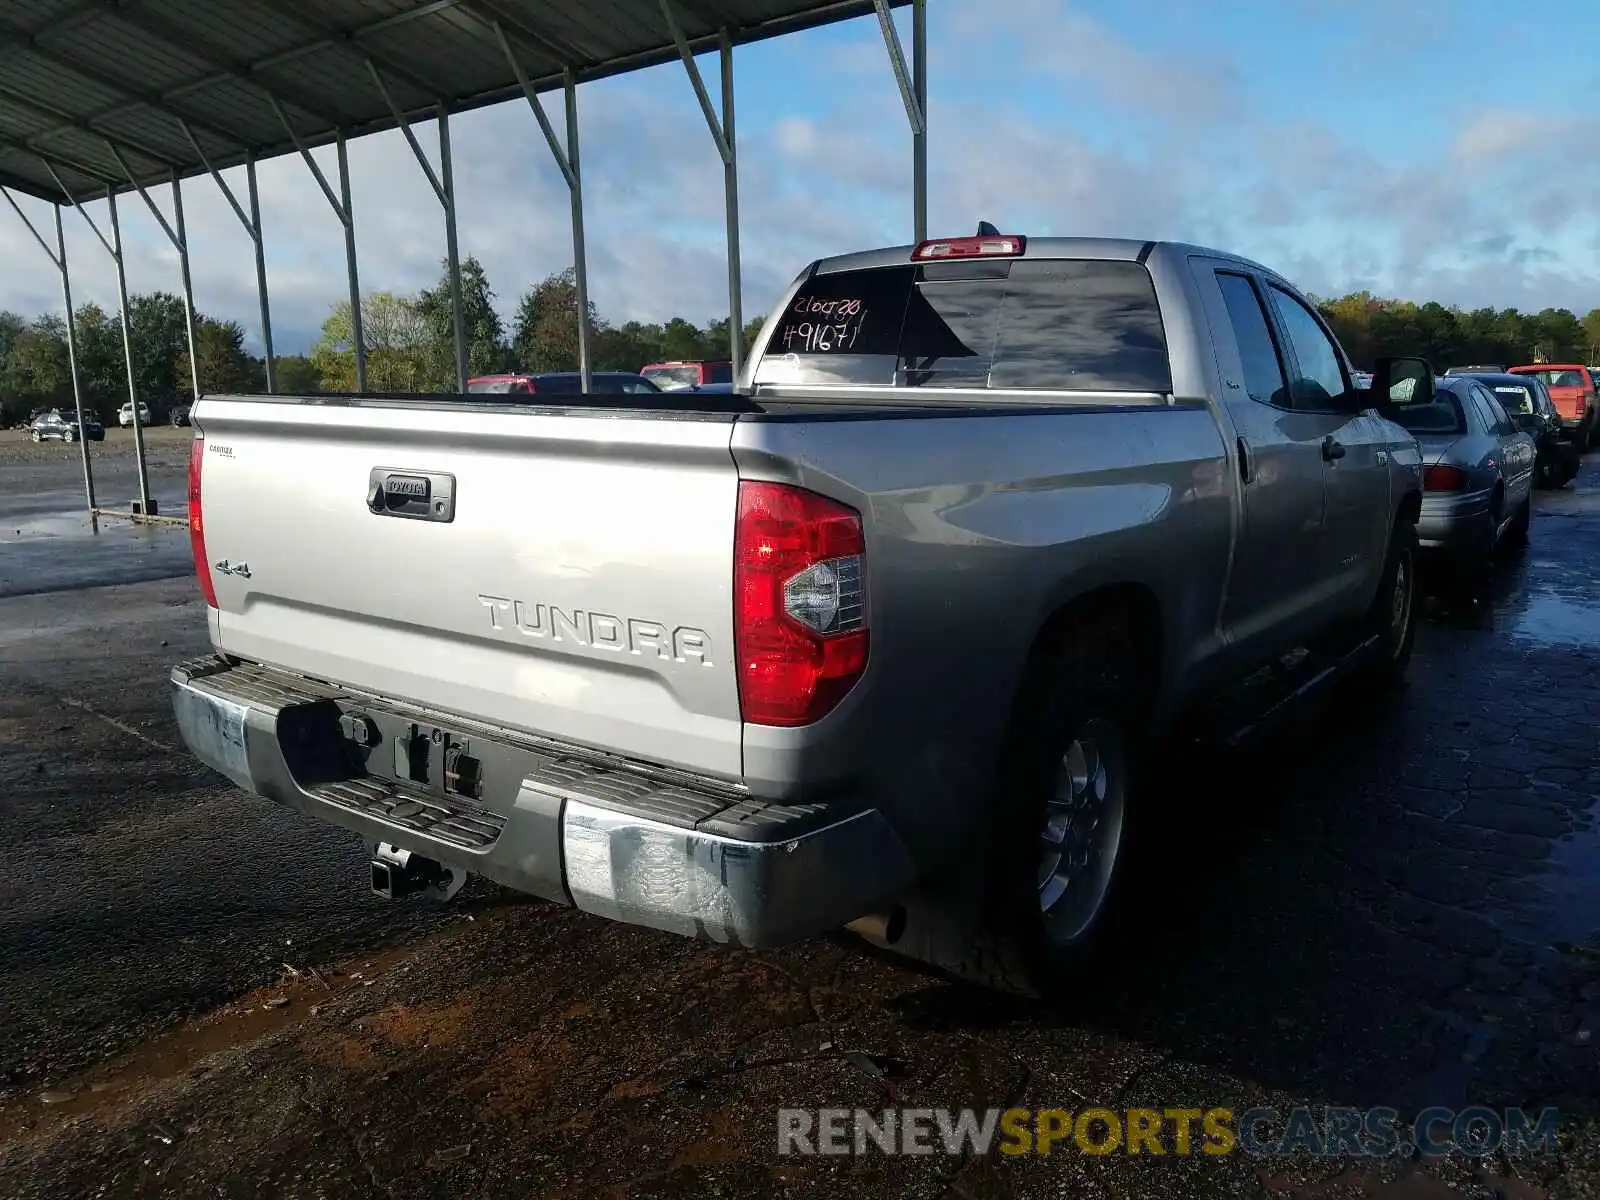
1484, 213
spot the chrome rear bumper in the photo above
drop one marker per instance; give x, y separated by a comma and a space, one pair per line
610, 838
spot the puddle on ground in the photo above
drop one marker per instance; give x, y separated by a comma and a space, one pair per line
77, 525
1553, 619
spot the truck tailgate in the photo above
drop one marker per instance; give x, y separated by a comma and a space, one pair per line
581, 588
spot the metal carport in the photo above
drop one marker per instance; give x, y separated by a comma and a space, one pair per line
102, 97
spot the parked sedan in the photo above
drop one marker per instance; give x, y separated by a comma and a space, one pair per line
52, 426
1527, 401
1477, 475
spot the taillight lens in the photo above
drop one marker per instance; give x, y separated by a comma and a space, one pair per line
800, 618
197, 529
1444, 479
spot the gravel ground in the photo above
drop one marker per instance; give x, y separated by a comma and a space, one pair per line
1397, 908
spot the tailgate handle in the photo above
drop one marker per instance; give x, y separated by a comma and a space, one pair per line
415, 495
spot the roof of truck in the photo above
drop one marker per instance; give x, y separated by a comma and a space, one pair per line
1104, 249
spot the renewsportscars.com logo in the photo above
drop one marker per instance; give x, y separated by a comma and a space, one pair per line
1266, 1132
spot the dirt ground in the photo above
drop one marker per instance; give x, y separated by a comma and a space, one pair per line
201, 998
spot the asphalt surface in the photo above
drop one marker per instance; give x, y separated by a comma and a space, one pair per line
43, 508
1398, 907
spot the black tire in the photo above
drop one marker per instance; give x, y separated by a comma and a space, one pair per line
1088, 690
69, 436
1392, 617
1517, 531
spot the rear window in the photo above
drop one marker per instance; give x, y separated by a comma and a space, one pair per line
487, 386
1575, 379
1048, 324
1444, 415
1515, 399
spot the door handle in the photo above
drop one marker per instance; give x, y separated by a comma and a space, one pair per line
1331, 448
1244, 460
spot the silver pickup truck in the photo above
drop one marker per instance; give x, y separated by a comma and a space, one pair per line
884, 638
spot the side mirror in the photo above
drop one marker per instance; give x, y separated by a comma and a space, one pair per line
1402, 381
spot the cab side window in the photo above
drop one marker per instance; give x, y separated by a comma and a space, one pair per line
1319, 384
1264, 376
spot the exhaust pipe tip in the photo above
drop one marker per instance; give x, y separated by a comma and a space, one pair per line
881, 929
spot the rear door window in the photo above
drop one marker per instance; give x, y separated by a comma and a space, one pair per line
1264, 376
1498, 421
1046, 324
1515, 399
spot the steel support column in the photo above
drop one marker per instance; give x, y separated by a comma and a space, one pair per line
127, 350
444, 188
180, 242
722, 133
447, 178
919, 134
252, 226
358, 333
913, 83
113, 246
340, 204
580, 257
58, 256
567, 162
261, 272
72, 367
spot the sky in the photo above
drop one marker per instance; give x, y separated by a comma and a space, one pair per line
1431, 149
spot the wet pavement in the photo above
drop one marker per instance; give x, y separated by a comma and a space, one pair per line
48, 541
1392, 907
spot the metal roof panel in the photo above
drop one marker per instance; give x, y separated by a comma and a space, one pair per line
139, 73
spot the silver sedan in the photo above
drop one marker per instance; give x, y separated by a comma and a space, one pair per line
1477, 476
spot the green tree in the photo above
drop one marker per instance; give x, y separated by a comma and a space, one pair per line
219, 350
396, 337
102, 371
485, 333
36, 373
1591, 331
160, 336
545, 336
297, 375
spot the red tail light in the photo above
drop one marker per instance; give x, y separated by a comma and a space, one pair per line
1444, 479
197, 529
1006, 245
800, 618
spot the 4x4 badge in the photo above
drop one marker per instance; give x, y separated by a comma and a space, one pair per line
242, 570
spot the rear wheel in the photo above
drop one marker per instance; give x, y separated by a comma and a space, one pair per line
69, 436
1517, 533
1392, 618
1072, 766
37, 436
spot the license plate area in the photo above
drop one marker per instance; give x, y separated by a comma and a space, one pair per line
433, 757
